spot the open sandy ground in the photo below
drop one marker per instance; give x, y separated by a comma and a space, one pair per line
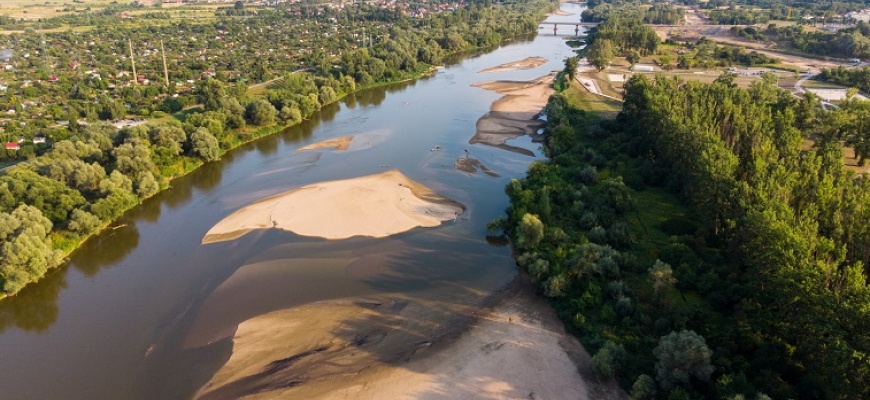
515, 114
388, 348
526, 63
342, 143
377, 205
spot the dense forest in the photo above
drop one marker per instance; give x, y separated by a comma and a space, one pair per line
93, 172
697, 248
659, 14
621, 34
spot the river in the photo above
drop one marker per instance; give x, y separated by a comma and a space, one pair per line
117, 320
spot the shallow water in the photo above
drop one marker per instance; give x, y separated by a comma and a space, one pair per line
140, 310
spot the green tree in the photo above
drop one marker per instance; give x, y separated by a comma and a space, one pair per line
25, 248
571, 68
210, 93
530, 231
83, 222
633, 58
681, 356
146, 184
600, 53
205, 145
260, 112
644, 388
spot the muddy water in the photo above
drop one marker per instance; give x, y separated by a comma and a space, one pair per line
145, 310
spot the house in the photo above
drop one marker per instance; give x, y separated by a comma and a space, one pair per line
41, 139
13, 146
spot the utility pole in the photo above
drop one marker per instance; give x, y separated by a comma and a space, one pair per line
133, 61
165, 70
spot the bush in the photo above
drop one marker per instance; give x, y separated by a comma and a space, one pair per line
644, 388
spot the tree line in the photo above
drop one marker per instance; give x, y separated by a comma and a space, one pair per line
697, 247
858, 78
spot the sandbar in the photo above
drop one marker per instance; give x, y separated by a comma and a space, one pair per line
377, 206
342, 143
514, 115
514, 347
472, 165
526, 63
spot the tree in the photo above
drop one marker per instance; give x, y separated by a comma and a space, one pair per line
644, 388
25, 248
571, 68
205, 145
327, 95
133, 157
210, 93
662, 276
600, 53
608, 360
633, 58
146, 185
530, 231
682, 356
290, 115
83, 222
260, 112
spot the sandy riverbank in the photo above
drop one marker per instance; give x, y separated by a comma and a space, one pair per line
515, 114
389, 348
561, 13
526, 63
342, 143
377, 205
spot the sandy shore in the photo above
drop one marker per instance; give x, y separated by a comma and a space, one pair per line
377, 205
526, 63
389, 348
561, 13
515, 114
342, 143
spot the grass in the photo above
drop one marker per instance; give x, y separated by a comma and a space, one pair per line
605, 85
581, 98
814, 84
653, 208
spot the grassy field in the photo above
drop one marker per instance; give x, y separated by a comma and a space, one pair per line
581, 98
32, 11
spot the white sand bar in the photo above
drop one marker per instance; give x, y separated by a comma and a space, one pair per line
377, 205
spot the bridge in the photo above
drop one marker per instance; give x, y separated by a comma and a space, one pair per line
576, 25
